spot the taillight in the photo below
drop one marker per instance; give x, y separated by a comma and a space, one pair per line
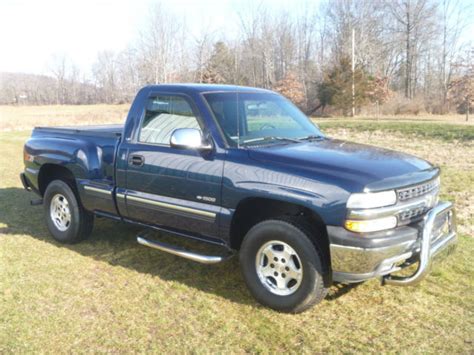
26, 156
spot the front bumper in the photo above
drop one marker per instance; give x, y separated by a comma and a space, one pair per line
356, 257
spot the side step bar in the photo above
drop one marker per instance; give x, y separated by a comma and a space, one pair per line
36, 202
200, 258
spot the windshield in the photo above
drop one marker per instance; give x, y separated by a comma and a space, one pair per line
250, 118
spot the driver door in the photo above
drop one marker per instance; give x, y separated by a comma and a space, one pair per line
177, 188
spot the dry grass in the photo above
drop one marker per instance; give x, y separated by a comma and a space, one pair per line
109, 294
422, 118
16, 118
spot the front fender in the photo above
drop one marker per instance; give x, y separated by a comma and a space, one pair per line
329, 202
245, 178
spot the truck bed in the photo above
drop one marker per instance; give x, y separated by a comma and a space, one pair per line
105, 131
89, 151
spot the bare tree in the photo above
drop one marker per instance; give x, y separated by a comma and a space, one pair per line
158, 45
305, 32
415, 25
128, 73
105, 74
454, 20
58, 69
73, 85
202, 52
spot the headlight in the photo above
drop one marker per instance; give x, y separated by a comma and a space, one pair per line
372, 199
371, 225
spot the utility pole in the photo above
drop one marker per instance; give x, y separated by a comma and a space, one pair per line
353, 68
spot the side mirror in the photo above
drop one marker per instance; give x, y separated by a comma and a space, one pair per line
188, 138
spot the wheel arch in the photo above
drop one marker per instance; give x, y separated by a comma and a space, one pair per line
253, 210
50, 172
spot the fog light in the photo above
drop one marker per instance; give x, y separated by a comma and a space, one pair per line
371, 225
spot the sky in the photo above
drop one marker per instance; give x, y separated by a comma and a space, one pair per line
32, 32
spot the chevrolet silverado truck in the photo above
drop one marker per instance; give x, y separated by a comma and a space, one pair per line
243, 169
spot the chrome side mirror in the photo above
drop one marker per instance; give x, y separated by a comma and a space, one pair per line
188, 138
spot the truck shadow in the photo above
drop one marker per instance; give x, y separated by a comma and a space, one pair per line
115, 243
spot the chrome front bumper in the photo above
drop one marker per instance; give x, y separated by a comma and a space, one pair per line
358, 258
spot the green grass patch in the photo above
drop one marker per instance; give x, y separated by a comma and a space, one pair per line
434, 130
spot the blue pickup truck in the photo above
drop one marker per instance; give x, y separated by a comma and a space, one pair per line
242, 168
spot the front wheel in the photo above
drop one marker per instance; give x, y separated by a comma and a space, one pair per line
67, 220
282, 267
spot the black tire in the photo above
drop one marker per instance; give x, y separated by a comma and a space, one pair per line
311, 289
80, 222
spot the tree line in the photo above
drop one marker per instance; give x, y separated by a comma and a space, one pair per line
408, 55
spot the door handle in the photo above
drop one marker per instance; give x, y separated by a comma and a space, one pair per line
136, 160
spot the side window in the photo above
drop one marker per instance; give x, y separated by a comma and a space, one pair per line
163, 115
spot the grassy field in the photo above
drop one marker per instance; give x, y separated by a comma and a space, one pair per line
109, 294
14, 118
447, 131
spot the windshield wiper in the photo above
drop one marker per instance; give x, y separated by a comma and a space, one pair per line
311, 137
271, 138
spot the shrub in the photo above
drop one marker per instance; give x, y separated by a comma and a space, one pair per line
400, 105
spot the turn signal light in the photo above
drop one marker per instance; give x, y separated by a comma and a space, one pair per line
371, 225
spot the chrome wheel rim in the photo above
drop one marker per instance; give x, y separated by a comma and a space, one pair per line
59, 212
279, 268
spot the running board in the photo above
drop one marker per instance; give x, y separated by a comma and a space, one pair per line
200, 258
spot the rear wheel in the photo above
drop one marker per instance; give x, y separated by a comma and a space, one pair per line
67, 220
282, 267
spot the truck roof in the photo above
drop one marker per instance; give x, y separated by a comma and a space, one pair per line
205, 88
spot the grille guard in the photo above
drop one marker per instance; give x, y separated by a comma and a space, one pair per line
428, 249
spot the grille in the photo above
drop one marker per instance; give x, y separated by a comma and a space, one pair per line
426, 193
413, 213
418, 190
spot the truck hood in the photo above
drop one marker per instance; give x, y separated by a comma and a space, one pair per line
356, 165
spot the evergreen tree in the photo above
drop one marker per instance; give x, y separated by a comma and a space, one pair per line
336, 87
220, 68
